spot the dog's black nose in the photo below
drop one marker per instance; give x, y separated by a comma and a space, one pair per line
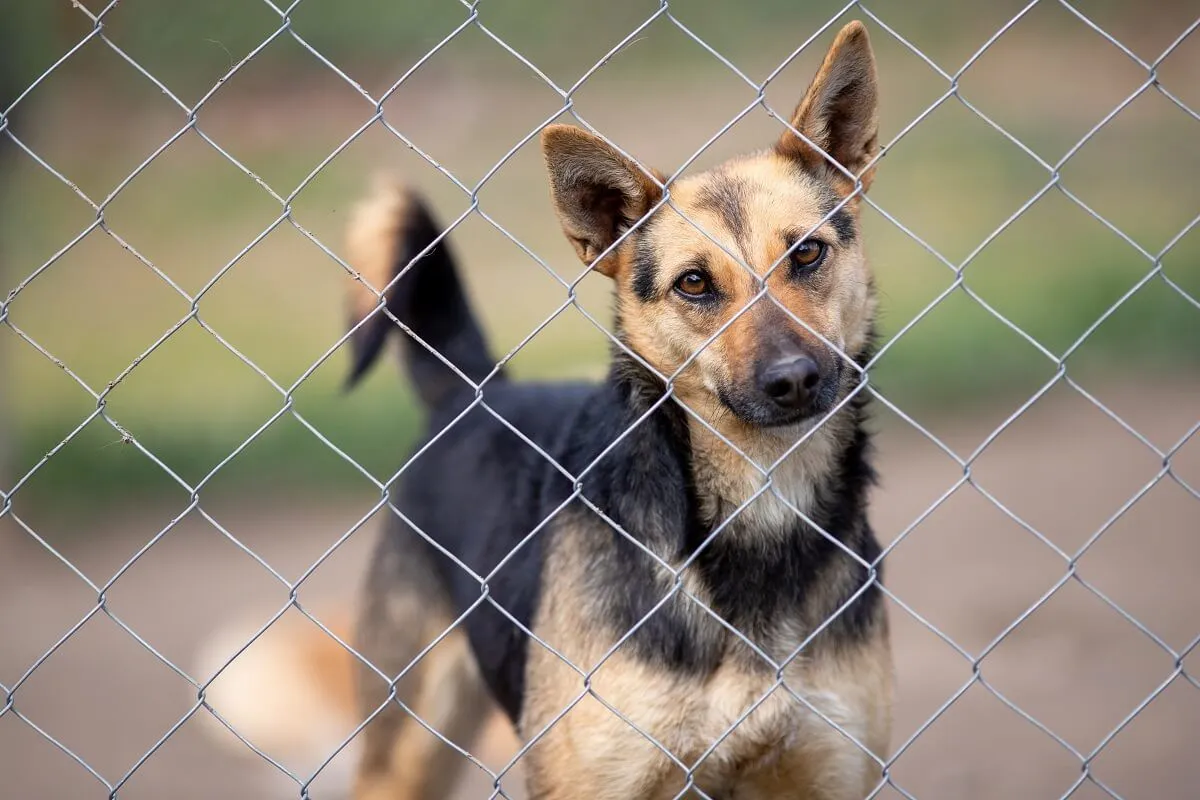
791, 383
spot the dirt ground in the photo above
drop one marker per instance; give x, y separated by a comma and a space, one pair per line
1075, 665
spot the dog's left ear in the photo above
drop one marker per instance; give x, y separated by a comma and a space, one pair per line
839, 111
598, 192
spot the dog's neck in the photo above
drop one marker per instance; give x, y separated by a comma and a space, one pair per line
763, 476
686, 496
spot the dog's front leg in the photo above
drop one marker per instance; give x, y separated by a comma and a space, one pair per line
591, 752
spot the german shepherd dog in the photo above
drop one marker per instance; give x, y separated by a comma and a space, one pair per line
653, 623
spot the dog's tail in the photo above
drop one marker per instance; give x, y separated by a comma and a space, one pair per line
390, 230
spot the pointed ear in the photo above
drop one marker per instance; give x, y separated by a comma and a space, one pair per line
597, 192
839, 110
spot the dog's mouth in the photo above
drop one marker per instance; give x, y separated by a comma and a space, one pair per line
756, 405
763, 413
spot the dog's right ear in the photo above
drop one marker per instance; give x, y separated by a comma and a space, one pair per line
598, 192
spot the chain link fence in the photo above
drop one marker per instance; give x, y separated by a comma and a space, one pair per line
1173, 656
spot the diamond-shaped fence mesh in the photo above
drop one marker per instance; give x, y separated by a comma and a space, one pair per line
953, 656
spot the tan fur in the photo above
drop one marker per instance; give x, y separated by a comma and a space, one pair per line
371, 241
780, 749
727, 475
404, 760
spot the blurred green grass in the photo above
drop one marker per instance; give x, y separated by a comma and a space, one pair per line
953, 181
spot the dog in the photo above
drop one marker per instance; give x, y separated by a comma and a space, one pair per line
652, 622
667, 581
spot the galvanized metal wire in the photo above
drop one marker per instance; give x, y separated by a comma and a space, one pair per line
289, 590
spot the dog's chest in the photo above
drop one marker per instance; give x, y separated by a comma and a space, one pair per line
745, 721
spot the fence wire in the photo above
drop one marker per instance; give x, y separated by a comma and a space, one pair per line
289, 590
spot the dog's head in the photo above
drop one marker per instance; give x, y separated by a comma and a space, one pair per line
677, 286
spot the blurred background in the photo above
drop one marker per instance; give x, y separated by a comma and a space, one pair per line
1080, 515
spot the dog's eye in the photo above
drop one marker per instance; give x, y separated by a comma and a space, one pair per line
808, 255
692, 284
